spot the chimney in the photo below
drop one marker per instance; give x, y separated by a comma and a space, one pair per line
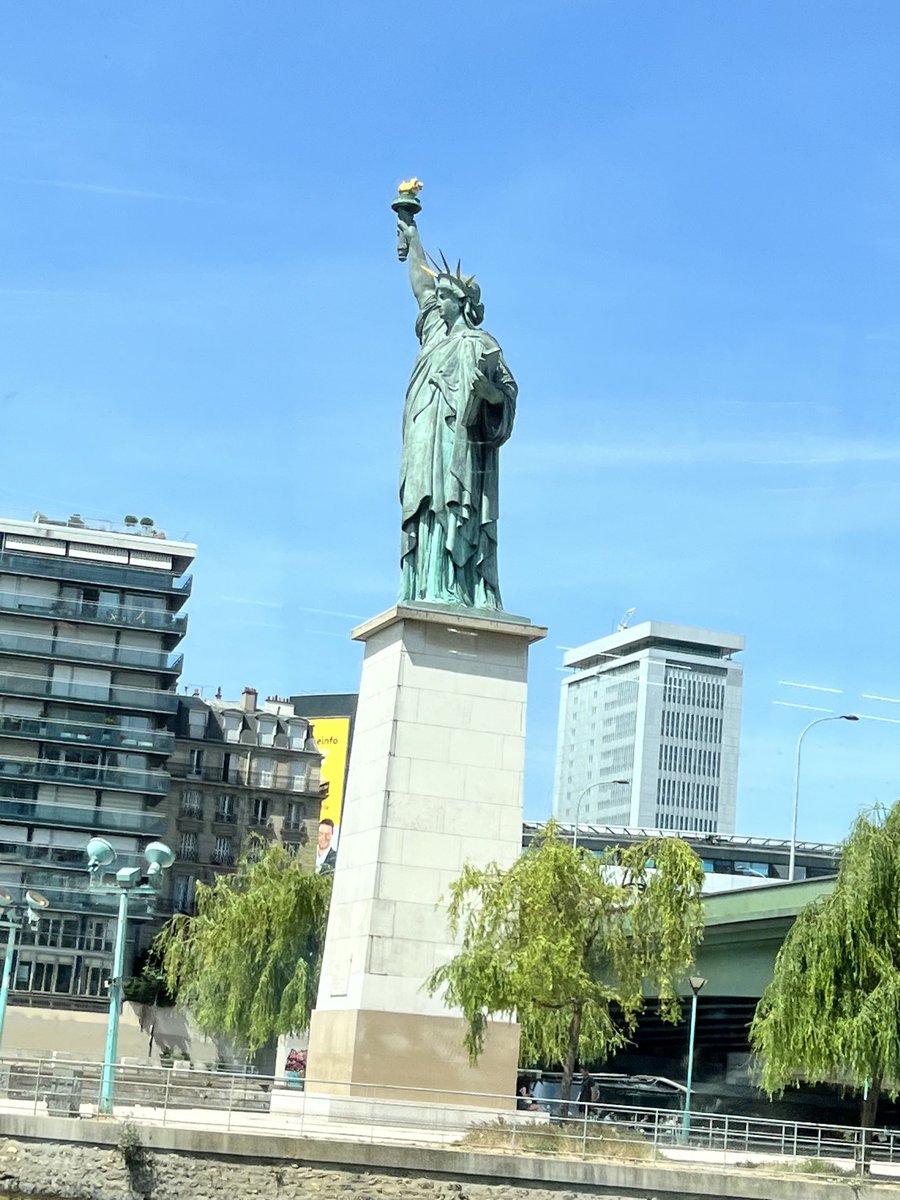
248, 699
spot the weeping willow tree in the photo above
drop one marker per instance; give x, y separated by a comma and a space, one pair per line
568, 941
832, 1010
247, 965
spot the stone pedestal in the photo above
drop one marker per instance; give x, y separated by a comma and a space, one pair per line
435, 782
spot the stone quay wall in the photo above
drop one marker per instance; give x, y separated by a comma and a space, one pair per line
59, 1159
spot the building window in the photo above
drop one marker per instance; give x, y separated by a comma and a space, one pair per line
183, 893
195, 765
226, 809
197, 723
188, 851
265, 772
192, 805
292, 849
299, 777
260, 811
295, 814
223, 855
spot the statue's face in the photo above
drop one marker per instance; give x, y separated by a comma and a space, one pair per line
449, 302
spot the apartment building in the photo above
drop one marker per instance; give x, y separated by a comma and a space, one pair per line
239, 767
90, 622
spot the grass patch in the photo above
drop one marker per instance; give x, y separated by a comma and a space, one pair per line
561, 1140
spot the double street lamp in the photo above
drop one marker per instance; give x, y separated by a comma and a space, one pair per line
14, 916
792, 861
584, 791
127, 882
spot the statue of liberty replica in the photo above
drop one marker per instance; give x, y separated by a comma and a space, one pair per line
460, 407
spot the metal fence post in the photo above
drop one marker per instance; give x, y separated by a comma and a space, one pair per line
37, 1086
230, 1103
168, 1074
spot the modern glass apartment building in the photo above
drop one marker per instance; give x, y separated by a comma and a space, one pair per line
649, 730
90, 619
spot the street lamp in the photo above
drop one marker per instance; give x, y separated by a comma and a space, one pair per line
127, 882
14, 916
697, 985
792, 862
584, 792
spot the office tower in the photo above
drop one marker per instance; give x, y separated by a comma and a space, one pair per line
649, 730
89, 620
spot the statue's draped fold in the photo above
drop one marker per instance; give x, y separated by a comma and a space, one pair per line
460, 407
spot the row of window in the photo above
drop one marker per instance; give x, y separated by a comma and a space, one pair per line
687, 794
687, 760
691, 688
691, 727
264, 771
228, 809
685, 824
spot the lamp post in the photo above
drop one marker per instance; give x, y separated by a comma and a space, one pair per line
792, 861
127, 882
697, 985
15, 916
584, 792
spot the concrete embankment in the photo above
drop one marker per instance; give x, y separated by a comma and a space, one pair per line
106, 1160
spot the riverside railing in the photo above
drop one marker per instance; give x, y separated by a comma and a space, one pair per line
229, 1097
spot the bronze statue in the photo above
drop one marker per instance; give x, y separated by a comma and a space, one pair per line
460, 407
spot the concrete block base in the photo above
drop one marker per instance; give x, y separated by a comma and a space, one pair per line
403, 1056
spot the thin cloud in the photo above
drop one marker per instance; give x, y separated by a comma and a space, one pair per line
102, 189
782, 451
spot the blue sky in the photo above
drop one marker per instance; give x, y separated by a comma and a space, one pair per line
686, 222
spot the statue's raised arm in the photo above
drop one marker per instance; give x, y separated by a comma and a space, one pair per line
460, 407
409, 244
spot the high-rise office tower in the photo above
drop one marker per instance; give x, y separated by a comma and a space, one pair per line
89, 620
649, 730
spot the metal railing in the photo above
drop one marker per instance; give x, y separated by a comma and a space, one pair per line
73, 816
230, 1097
93, 612
36, 646
145, 699
94, 775
60, 567
46, 729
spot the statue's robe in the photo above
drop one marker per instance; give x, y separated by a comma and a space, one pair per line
449, 473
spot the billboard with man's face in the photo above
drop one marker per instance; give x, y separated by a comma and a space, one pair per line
332, 736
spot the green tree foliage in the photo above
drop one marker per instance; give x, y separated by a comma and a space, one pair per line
568, 941
247, 965
832, 1010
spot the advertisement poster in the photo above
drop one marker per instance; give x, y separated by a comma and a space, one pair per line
332, 736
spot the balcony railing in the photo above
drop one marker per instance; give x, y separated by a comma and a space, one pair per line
36, 646
138, 578
192, 812
73, 816
114, 737
189, 854
225, 818
130, 615
56, 856
94, 775
220, 859
143, 699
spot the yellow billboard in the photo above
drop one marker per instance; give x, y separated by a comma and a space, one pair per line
332, 736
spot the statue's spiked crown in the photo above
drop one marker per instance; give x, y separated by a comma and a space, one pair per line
465, 285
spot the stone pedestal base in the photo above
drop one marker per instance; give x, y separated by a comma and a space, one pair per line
435, 782
412, 1057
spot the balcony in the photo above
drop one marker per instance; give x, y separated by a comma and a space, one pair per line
189, 854
225, 818
131, 616
53, 856
35, 646
219, 858
109, 820
114, 737
138, 579
142, 699
93, 775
